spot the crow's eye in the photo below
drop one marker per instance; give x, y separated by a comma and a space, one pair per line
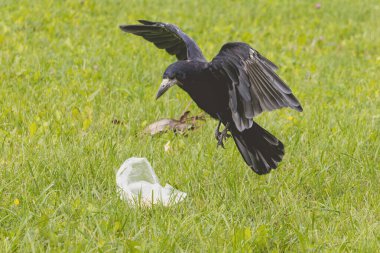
169, 76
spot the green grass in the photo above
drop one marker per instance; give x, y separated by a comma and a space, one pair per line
67, 71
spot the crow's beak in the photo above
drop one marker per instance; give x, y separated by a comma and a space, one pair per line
165, 85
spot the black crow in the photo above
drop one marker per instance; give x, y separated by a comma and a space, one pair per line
238, 84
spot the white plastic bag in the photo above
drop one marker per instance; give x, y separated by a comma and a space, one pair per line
137, 183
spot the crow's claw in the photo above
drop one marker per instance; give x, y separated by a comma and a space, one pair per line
220, 142
221, 136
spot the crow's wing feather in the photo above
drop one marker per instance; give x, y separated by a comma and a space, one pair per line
168, 37
254, 86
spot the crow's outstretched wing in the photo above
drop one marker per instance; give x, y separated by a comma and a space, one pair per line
253, 85
168, 37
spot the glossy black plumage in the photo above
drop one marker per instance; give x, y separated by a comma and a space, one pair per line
168, 37
237, 85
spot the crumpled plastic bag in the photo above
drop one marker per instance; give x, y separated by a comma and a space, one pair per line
138, 184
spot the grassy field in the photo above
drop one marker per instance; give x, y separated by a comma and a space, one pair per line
67, 72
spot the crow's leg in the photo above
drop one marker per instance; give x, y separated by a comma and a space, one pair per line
221, 136
217, 132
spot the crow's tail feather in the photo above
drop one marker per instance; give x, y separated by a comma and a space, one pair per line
260, 149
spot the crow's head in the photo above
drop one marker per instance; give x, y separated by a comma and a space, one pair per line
175, 74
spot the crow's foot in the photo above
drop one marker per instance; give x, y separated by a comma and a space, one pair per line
221, 136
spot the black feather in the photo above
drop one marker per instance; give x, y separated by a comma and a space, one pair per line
168, 37
267, 91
